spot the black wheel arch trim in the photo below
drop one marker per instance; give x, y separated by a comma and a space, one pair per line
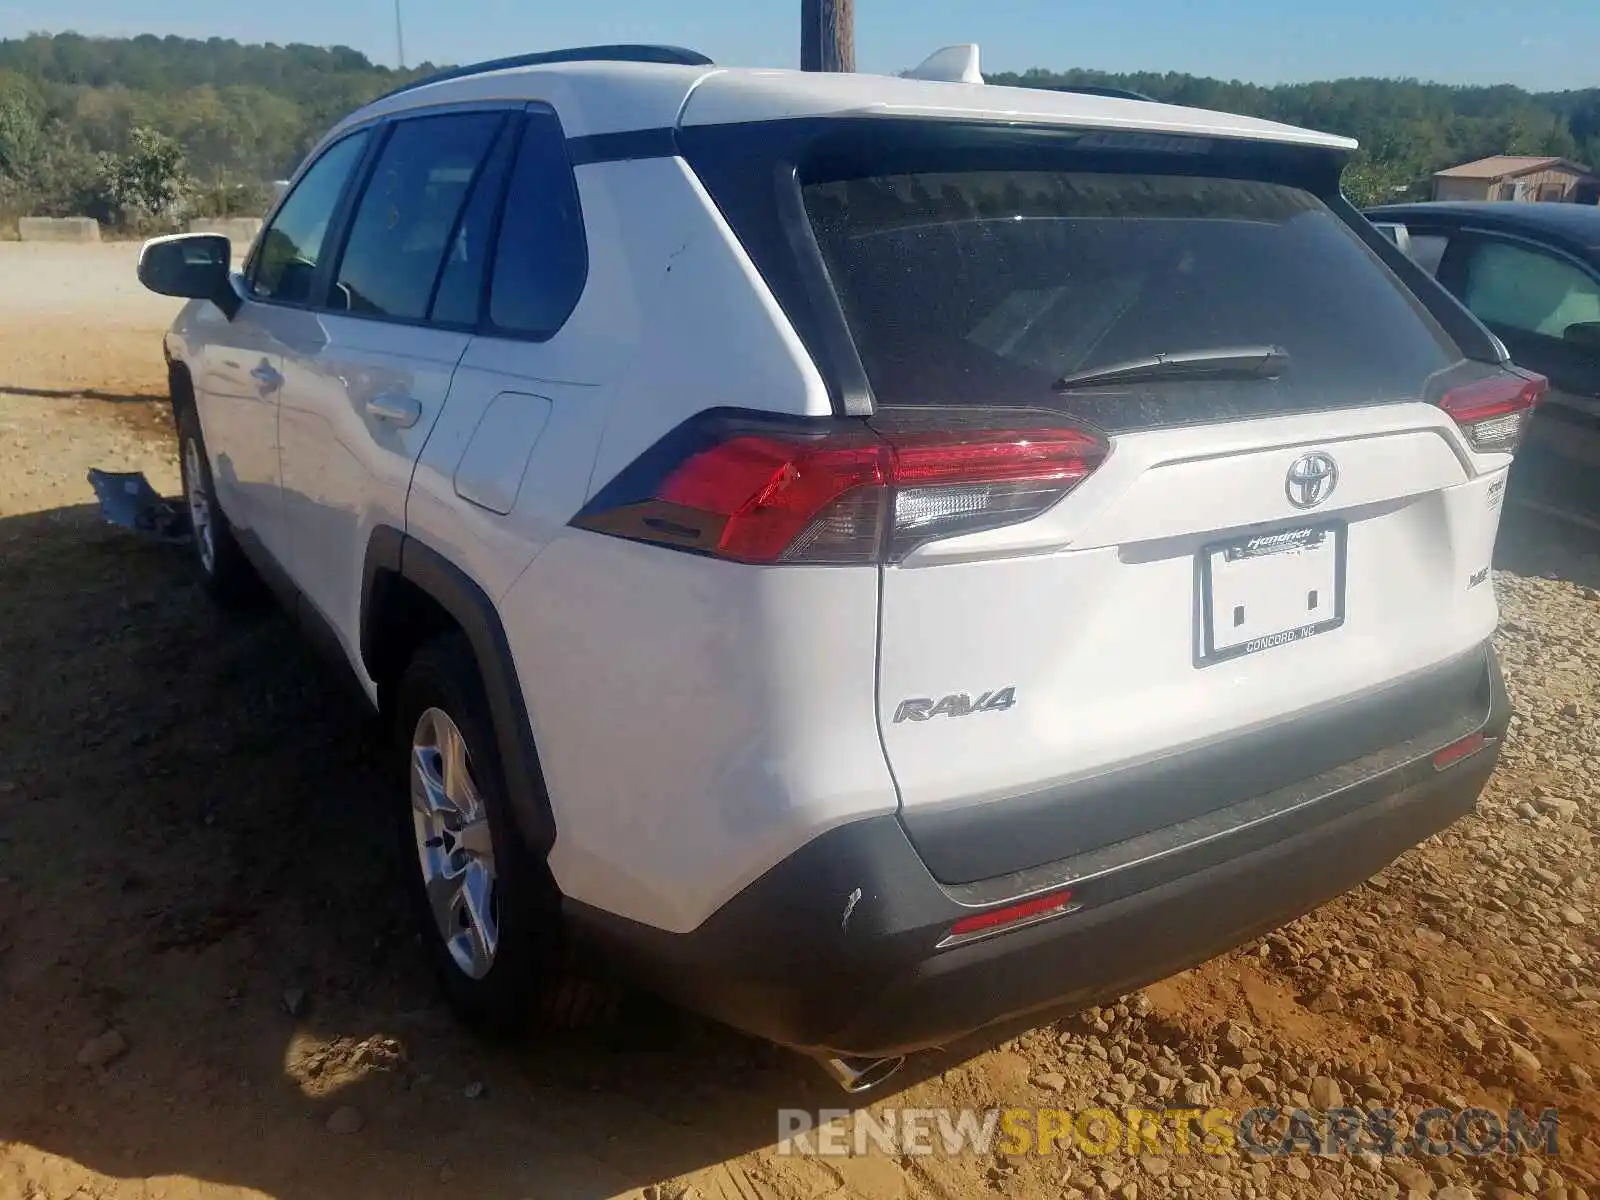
393, 554
180, 384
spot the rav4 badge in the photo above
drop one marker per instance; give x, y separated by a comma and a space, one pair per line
957, 704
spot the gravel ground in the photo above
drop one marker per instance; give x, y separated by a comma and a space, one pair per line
210, 988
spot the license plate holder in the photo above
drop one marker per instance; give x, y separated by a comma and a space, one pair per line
1264, 590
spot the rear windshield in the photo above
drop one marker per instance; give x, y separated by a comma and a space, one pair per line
986, 287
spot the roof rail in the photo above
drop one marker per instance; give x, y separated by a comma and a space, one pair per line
1096, 89
668, 55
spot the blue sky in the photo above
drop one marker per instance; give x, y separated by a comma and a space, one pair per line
1541, 44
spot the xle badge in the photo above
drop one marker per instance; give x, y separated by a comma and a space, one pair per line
957, 704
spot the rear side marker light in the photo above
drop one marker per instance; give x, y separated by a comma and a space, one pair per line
1456, 751
1494, 412
760, 492
1011, 916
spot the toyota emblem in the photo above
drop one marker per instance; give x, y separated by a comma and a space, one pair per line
1312, 478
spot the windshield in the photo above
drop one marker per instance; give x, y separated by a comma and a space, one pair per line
985, 287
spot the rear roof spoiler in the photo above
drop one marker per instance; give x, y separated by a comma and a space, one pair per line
667, 55
1096, 89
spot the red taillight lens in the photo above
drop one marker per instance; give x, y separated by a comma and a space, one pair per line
847, 496
768, 492
1051, 904
1494, 412
1004, 456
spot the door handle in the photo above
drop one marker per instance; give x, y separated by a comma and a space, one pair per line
267, 376
400, 411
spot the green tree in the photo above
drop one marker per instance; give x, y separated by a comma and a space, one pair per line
22, 139
72, 108
1367, 182
150, 184
1407, 129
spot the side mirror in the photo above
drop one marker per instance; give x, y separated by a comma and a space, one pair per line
1585, 335
193, 266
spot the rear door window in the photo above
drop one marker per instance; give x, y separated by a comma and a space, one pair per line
988, 286
409, 214
459, 296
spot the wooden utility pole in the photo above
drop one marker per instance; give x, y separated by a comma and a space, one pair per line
827, 35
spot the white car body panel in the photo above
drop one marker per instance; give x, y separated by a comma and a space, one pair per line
557, 445
747, 95
346, 471
238, 409
1091, 619
739, 727
697, 287
496, 458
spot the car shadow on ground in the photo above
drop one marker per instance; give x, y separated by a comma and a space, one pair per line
192, 840
78, 394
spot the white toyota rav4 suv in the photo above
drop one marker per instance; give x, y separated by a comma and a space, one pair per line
877, 556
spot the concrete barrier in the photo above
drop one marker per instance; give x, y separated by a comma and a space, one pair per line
58, 229
241, 231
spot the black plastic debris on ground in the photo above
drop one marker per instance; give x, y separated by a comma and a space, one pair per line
128, 500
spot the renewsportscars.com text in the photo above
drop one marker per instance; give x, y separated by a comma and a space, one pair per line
1262, 1131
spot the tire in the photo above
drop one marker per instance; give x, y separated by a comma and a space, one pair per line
494, 943
225, 572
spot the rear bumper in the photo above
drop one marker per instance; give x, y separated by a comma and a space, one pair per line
835, 949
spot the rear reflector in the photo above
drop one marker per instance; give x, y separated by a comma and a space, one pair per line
1494, 412
761, 491
1026, 912
1456, 751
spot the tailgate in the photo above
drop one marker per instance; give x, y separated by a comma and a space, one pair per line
1094, 621
1280, 565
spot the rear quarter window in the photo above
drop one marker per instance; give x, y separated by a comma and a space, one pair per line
985, 287
542, 260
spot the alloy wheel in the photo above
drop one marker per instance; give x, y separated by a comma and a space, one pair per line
454, 847
199, 507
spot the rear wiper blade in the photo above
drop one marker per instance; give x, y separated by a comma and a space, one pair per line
1224, 362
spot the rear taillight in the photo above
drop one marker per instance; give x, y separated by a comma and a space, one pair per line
769, 500
852, 495
1494, 412
944, 485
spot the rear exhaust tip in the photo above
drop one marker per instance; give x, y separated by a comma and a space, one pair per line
856, 1075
